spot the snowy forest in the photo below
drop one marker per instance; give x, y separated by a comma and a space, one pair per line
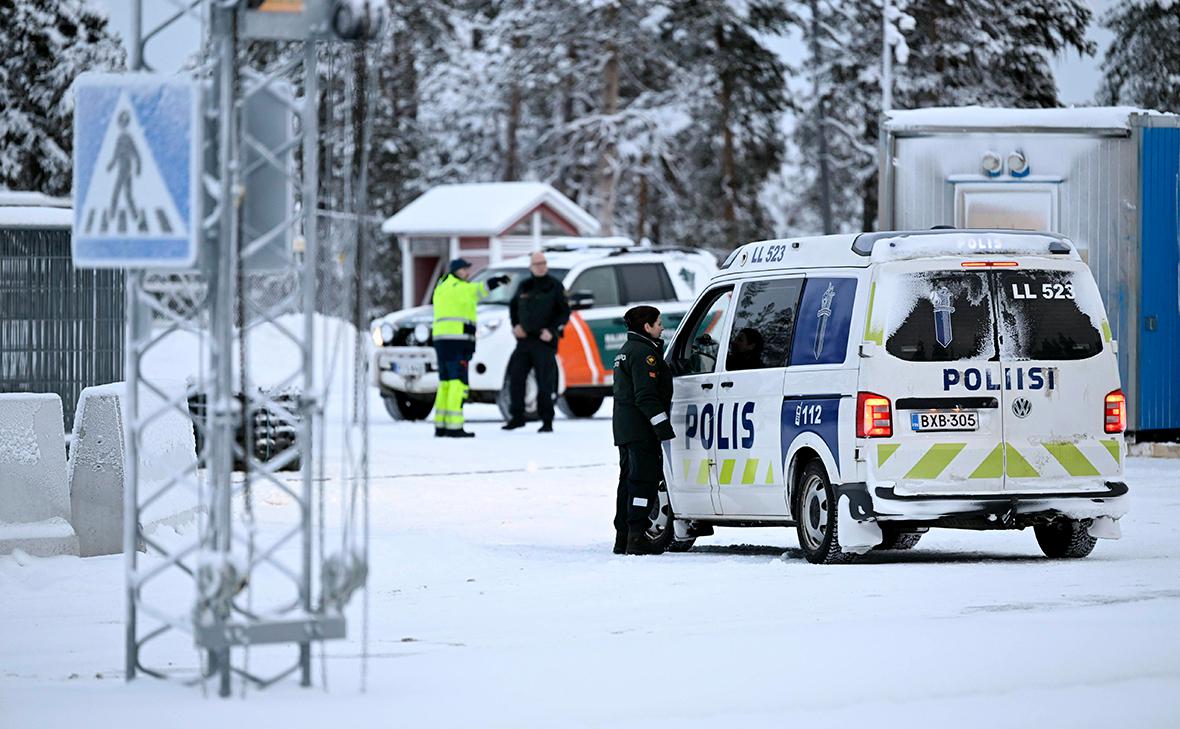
671, 120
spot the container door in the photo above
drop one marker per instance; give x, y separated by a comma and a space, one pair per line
1058, 370
1159, 328
750, 397
941, 375
689, 466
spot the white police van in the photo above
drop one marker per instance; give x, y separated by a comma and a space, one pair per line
867, 388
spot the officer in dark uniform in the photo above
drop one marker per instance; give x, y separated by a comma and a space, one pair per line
538, 310
643, 401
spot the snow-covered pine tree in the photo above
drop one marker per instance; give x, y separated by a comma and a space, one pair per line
1142, 64
46, 43
947, 53
733, 89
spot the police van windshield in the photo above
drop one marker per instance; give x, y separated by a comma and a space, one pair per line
503, 294
949, 316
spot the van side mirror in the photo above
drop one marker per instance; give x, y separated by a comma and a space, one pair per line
581, 300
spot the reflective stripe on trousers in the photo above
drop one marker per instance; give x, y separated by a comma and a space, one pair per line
448, 404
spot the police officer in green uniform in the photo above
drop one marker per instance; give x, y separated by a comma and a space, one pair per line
455, 300
642, 403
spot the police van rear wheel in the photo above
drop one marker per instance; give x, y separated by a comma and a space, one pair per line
894, 539
401, 406
1065, 539
817, 523
661, 533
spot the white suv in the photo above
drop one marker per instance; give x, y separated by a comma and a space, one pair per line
602, 280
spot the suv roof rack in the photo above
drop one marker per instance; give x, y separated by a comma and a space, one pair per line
863, 244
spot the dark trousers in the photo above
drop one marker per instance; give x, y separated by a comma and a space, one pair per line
641, 466
541, 358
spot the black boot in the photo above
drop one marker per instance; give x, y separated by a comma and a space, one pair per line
460, 434
546, 427
620, 541
513, 424
440, 432
637, 543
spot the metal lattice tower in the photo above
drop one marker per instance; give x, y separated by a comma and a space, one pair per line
269, 587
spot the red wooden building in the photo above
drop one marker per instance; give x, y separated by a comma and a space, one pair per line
482, 222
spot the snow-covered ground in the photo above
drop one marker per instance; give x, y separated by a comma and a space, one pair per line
495, 602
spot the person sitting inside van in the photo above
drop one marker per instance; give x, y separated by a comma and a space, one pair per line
745, 350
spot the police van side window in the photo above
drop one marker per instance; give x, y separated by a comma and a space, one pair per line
601, 282
699, 346
763, 324
1040, 317
940, 316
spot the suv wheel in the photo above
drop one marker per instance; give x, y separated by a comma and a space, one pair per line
817, 525
1065, 538
504, 400
401, 406
579, 406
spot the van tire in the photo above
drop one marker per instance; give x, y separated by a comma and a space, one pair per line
662, 532
897, 540
401, 406
818, 526
504, 400
1065, 538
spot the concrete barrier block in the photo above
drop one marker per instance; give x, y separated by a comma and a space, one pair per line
98, 467
34, 495
32, 458
49, 538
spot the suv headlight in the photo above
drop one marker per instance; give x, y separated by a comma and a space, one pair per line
422, 334
487, 327
383, 334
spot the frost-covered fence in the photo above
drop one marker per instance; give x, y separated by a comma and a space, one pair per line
61, 329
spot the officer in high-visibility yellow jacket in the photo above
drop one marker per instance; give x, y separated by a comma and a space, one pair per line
454, 300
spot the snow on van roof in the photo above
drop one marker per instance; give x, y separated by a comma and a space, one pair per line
980, 117
904, 245
482, 209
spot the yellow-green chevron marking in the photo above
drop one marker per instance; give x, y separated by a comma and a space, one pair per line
1106, 331
703, 473
992, 466
1018, 465
885, 450
770, 473
872, 335
727, 470
1072, 459
935, 461
750, 472
1113, 447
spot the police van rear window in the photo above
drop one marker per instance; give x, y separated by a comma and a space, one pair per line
939, 316
1042, 316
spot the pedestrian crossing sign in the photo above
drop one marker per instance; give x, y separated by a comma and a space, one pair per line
137, 164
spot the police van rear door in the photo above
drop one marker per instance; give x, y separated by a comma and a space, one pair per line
1059, 368
929, 404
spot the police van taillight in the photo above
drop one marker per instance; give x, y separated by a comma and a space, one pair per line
874, 416
1116, 412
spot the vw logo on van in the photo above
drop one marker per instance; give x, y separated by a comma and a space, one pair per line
1021, 407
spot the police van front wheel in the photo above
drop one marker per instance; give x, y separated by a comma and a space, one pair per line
817, 521
579, 406
1065, 538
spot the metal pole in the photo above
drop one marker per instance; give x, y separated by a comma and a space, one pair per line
309, 405
131, 482
135, 62
886, 59
221, 415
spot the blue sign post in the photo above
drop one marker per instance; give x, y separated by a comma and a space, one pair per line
137, 171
